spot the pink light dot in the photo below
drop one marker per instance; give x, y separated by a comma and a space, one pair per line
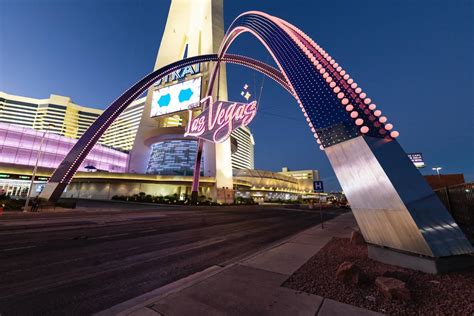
326, 55
343, 72
338, 69
383, 119
322, 70
313, 130
318, 67
340, 95
364, 129
336, 65
308, 120
388, 127
376, 124
377, 112
394, 134
367, 101
325, 75
332, 84
321, 147
372, 118
354, 114
336, 89
372, 107
354, 85
358, 90
328, 79
345, 101
363, 95
349, 108
346, 77
318, 141
316, 136
382, 131
366, 112
350, 81
359, 121
332, 61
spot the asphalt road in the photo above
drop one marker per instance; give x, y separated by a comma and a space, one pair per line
84, 262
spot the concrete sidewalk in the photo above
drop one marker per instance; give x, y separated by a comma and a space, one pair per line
252, 286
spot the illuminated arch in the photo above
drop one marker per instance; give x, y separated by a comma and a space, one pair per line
403, 214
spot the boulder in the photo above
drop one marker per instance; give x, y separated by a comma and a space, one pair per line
357, 238
392, 288
348, 273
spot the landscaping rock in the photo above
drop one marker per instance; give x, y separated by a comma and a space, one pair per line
393, 288
348, 273
401, 275
357, 238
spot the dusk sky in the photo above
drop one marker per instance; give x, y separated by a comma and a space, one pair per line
414, 59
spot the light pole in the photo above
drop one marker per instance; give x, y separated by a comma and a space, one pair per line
437, 169
25, 208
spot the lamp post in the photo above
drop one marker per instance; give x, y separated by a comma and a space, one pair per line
437, 169
25, 208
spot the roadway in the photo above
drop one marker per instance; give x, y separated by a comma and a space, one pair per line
82, 262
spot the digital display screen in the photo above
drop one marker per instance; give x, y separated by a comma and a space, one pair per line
175, 98
417, 159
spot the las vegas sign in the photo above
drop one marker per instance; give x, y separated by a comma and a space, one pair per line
219, 118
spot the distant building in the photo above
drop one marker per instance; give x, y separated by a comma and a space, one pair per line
59, 115
306, 176
243, 155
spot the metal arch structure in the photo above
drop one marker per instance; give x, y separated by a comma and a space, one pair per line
392, 203
66, 170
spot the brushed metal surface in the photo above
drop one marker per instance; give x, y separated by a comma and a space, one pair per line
392, 203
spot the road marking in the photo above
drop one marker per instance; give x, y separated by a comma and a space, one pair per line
18, 248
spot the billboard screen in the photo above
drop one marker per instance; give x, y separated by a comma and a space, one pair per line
175, 98
417, 159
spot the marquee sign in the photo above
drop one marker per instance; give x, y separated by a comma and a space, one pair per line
219, 118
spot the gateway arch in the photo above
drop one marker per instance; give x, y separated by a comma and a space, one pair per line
392, 203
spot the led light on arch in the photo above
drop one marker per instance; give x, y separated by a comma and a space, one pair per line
364, 129
350, 81
382, 119
321, 147
359, 121
345, 101
358, 90
388, 127
363, 95
340, 95
372, 107
349, 108
354, 114
328, 79
367, 101
346, 77
336, 90
377, 112
394, 134
318, 141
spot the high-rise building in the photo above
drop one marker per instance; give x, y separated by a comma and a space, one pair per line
243, 153
59, 115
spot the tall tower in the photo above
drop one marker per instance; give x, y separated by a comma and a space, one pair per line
193, 27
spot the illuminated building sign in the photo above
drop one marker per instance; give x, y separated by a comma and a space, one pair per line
180, 74
417, 159
175, 98
219, 119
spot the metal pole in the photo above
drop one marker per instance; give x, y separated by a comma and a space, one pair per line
25, 208
321, 211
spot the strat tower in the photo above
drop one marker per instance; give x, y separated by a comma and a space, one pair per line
193, 28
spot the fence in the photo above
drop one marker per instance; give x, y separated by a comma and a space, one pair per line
459, 200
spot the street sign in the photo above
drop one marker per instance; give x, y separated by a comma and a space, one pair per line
318, 186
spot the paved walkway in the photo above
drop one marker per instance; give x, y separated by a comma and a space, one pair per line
252, 286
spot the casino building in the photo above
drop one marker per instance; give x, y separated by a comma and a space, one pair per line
145, 149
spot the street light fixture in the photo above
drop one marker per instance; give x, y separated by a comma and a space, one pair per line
437, 169
25, 208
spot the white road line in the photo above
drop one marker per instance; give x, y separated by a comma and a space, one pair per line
18, 248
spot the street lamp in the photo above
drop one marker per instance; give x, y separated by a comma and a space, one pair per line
437, 169
25, 208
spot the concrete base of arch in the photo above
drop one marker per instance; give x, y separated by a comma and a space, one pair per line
392, 203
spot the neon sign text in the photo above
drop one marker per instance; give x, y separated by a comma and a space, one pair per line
218, 119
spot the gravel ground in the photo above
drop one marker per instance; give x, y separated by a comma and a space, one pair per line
446, 294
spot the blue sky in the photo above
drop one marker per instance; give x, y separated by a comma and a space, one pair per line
413, 58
